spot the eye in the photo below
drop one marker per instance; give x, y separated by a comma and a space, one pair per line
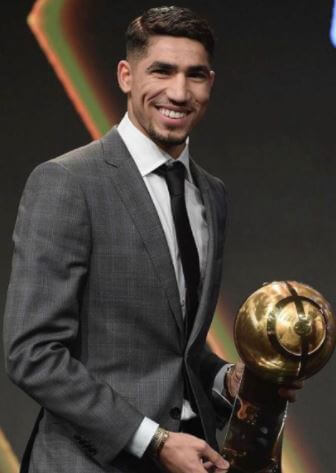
159, 71
198, 75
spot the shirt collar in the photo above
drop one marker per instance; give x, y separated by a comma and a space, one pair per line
146, 154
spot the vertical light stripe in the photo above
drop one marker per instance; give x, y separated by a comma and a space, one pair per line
8, 460
333, 25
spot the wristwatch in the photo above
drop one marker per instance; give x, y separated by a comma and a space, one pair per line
159, 439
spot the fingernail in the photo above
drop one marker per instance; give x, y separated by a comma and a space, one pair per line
222, 464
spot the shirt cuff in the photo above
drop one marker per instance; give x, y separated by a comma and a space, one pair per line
219, 386
142, 437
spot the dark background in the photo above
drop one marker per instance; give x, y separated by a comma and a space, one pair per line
269, 134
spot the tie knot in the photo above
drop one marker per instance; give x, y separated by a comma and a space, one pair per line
175, 176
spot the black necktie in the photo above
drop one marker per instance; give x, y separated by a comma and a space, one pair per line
175, 178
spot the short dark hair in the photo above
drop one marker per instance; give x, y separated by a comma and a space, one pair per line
170, 21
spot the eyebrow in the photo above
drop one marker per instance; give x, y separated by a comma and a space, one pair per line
173, 67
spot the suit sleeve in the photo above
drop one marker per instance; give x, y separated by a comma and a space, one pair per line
52, 243
210, 364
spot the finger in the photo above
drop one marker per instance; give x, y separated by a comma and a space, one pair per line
208, 466
220, 470
297, 384
289, 394
237, 372
239, 367
215, 458
233, 378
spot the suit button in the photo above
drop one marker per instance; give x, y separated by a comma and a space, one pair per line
175, 413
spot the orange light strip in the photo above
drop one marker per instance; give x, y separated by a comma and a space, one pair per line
35, 21
215, 344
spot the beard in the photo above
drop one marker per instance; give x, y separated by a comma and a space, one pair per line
165, 141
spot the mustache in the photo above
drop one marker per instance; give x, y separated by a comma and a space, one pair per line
182, 107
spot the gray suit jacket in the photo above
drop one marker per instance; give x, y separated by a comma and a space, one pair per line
93, 324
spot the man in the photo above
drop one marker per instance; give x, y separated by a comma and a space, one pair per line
110, 302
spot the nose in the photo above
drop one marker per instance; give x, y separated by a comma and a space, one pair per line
178, 90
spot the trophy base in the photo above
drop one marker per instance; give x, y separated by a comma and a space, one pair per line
254, 435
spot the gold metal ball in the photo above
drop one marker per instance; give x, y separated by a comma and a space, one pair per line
285, 331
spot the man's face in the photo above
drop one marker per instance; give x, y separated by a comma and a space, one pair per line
168, 89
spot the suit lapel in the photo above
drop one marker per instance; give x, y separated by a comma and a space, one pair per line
210, 211
133, 192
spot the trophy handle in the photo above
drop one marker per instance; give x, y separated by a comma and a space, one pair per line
253, 440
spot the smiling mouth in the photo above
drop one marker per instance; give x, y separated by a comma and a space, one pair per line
172, 113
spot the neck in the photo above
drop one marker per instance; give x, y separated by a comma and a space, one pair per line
173, 150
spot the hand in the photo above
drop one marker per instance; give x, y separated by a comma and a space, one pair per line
235, 374
184, 453
289, 392
233, 378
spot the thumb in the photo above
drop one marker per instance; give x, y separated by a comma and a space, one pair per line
215, 458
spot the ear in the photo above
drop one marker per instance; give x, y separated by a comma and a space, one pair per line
124, 73
212, 78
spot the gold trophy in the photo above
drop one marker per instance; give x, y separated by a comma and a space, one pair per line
284, 331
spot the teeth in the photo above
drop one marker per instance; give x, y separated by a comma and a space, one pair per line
172, 113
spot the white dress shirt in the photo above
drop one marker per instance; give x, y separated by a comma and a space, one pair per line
148, 157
